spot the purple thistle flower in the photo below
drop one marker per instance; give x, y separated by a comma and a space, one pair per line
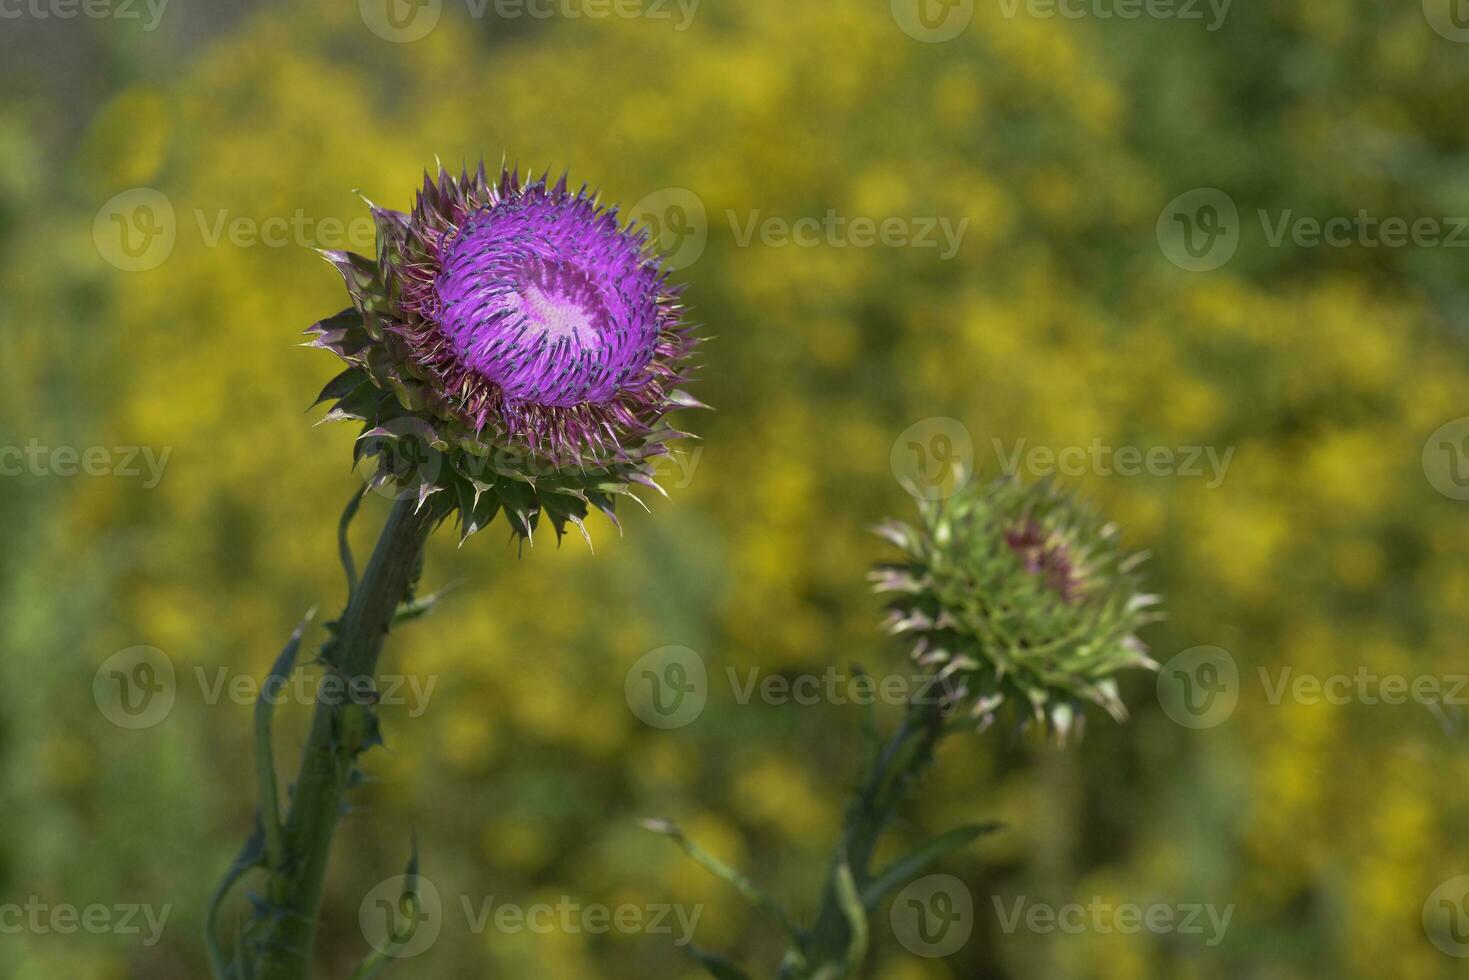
549, 300
514, 318
536, 312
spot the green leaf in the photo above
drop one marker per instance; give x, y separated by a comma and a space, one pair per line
719, 967
521, 504
252, 855
911, 865
870, 736
851, 905
270, 818
344, 547
361, 403
562, 508
377, 959
342, 385
747, 888
421, 606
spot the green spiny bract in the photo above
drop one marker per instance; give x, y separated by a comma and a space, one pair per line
1018, 593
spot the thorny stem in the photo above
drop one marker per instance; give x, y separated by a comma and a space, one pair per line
340, 730
902, 760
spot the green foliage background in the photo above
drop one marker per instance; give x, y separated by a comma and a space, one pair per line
1058, 322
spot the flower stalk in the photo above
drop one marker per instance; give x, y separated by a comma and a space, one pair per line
1013, 596
279, 941
513, 349
890, 778
339, 734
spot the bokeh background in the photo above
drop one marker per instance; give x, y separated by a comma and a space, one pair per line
1332, 545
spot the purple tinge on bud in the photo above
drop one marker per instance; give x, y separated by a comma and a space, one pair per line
1049, 558
551, 300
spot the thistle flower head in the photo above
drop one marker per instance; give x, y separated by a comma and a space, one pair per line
522, 338
1018, 594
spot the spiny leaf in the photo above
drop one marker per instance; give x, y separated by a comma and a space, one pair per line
421, 606
344, 547
747, 888
913, 864
378, 958
251, 855
342, 385
264, 749
856, 915
719, 967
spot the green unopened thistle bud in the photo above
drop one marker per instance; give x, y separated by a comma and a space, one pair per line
1018, 594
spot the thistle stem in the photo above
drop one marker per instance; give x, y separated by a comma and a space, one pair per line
336, 739
902, 760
